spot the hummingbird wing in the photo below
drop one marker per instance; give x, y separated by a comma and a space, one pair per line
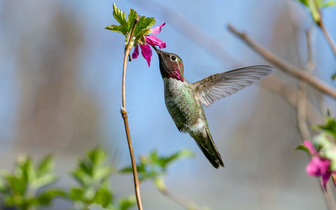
224, 84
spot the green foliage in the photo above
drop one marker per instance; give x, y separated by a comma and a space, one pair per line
126, 203
96, 207
153, 167
25, 186
28, 186
123, 204
142, 28
329, 127
303, 148
120, 17
314, 7
325, 142
92, 175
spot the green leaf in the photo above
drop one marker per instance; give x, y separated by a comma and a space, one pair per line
120, 17
129, 169
153, 155
102, 173
159, 183
143, 26
81, 177
17, 186
46, 165
333, 165
303, 148
77, 194
131, 19
103, 196
44, 180
315, 5
154, 166
85, 166
127, 202
97, 156
96, 206
118, 29
313, 8
176, 156
3, 187
327, 4
46, 197
14, 201
329, 127
25, 169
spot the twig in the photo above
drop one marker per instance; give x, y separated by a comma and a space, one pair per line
329, 197
284, 66
301, 110
301, 94
327, 36
185, 204
124, 116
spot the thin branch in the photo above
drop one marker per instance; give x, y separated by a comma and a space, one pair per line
301, 110
301, 92
124, 116
185, 204
329, 197
284, 66
327, 36
301, 95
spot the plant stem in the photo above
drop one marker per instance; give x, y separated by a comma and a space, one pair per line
329, 197
284, 66
124, 116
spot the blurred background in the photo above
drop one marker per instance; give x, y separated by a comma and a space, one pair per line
60, 93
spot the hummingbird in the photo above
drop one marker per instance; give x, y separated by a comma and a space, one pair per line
184, 100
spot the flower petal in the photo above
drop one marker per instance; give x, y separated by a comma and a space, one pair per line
135, 54
318, 166
310, 147
154, 41
157, 30
146, 52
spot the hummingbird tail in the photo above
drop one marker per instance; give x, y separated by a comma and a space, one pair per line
210, 151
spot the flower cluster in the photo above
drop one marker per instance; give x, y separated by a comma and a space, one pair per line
142, 32
323, 162
150, 40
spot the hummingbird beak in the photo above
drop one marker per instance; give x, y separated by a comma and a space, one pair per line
157, 50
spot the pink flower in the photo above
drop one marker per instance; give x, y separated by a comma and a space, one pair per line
146, 51
319, 166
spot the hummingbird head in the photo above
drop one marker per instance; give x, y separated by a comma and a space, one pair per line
171, 65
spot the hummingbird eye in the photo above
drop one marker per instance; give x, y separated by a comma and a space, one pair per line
173, 57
